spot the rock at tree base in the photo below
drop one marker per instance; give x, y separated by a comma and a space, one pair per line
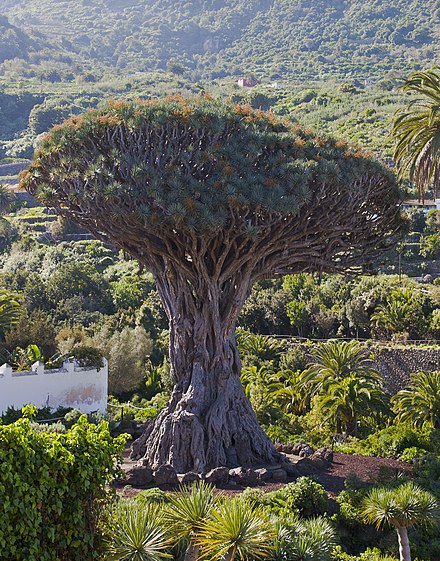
190, 477
166, 475
139, 476
218, 476
279, 475
322, 458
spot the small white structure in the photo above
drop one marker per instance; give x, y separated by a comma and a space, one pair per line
425, 207
70, 386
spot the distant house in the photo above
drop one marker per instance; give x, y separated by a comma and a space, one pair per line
248, 82
425, 206
369, 82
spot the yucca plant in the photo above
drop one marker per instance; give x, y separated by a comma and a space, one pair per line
234, 531
401, 508
304, 540
187, 511
136, 532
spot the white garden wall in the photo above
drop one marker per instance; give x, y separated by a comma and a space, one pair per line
69, 386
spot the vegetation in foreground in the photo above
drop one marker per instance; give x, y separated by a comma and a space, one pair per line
298, 522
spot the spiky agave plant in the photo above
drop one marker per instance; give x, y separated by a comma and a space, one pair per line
136, 532
234, 531
186, 513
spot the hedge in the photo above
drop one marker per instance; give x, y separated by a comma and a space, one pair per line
53, 488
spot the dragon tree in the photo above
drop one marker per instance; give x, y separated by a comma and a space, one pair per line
210, 197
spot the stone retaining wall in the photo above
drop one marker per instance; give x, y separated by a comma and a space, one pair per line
396, 363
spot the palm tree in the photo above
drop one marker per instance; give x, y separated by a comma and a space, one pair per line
187, 511
392, 315
337, 360
289, 395
234, 531
401, 508
136, 532
350, 399
9, 310
419, 404
416, 131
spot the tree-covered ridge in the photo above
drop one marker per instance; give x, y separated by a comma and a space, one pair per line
216, 38
15, 43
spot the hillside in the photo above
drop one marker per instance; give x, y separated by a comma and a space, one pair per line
215, 38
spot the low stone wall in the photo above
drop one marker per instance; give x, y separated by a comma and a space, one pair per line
396, 364
69, 386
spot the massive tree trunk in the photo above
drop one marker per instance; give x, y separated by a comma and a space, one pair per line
209, 422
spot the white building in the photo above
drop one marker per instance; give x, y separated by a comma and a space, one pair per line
425, 207
69, 386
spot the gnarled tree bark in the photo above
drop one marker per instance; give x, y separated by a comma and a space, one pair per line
209, 421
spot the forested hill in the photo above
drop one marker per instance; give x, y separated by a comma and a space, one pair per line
213, 38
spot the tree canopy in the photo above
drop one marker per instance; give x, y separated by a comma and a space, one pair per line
179, 169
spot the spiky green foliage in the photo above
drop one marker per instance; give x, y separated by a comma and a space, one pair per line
417, 131
304, 540
347, 400
337, 360
260, 346
6, 199
419, 404
136, 532
406, 506
201, 165
187, 510
235, 531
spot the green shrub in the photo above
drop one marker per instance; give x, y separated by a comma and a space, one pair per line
391, 441
367, 555
52, 489
87, 356
410, 454
305, 497
154, 495
72, 417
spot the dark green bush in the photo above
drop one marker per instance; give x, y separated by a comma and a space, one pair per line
305, 497
154, 495
52, 489
87, 356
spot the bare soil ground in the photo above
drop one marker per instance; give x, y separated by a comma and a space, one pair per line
367, 469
